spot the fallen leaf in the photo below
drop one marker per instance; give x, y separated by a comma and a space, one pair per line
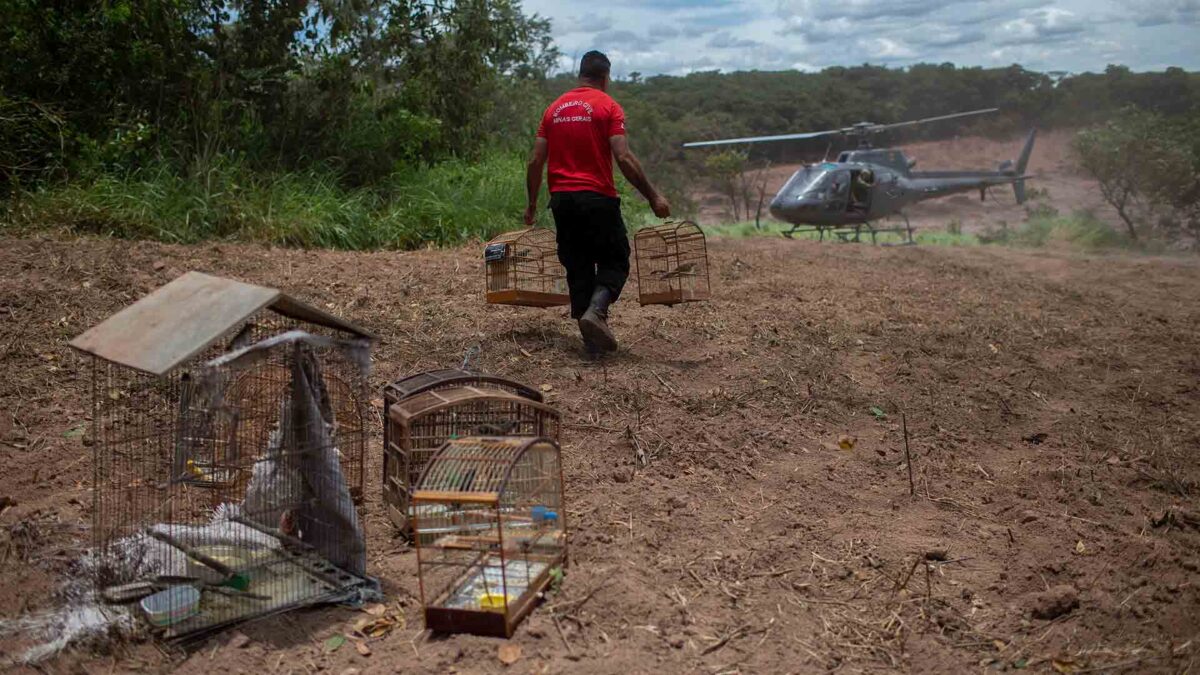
74, 432
1080, 549
846, 442
547, 388
999, 645
158, 265
878, 412
377, 627
334, 643
1064, 665
994, 348
508, 653
378, 609
362, 647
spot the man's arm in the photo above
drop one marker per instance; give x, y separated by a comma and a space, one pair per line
533, 177
631, 168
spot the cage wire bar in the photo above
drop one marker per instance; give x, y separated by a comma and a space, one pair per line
522, 268
672, 264
417, 426
490, 532
234, 471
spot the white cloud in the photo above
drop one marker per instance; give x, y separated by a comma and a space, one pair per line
680, 36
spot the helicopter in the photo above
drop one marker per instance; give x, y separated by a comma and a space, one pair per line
868, 184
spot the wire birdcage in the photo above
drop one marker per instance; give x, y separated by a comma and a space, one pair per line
433, 380
490, 530
522, 268
419, 425
672, 264
228, 447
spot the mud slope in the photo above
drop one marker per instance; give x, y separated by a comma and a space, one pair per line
1051, 403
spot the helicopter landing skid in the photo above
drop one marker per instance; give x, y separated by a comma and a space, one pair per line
853, 233
801, 229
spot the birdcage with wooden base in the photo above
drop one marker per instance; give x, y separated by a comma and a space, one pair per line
433, 380
490, 530
522, 268
419, 425
672, 264
228, 441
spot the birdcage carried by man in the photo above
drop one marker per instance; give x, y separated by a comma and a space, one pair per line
522, 268
417, 426
672, 264
228, 426
489, 525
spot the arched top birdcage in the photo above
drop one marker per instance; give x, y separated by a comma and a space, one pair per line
418, 425
490, 531
672, 264
522, 268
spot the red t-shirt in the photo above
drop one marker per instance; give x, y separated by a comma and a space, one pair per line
577, 127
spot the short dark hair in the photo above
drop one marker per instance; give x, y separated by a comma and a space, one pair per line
594, 66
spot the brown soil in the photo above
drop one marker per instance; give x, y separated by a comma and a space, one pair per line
1052, 410
1057, 183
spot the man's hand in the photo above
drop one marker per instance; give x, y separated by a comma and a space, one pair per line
660, 206
530, 215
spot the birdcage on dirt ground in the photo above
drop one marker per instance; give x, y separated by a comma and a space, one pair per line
522, 268
420, 424
228, 439
672, 264
490, 531
433, 380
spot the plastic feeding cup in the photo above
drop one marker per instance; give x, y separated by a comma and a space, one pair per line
172, 605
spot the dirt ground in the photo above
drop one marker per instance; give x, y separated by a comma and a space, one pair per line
1051, 402
1057, 183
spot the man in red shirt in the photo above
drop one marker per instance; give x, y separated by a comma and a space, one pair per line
580, 135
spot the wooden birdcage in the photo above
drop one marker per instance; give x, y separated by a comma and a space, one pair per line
672, 264
228, 426
419, 383
522, 268
419, 425
489, 524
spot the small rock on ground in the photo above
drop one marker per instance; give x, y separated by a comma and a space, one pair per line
1055, 602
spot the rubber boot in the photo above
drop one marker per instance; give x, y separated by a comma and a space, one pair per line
593, 325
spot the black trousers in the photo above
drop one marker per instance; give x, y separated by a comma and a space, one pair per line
592, 245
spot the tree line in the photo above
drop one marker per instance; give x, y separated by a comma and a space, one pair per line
366, 94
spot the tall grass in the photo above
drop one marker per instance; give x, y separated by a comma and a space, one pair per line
1044, 228
440, 205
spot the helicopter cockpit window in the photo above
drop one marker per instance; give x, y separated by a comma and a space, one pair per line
832, 183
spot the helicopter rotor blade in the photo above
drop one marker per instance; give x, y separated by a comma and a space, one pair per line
860, 129
876, 128
764, 139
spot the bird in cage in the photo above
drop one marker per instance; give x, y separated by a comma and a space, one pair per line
496, 429
683, 270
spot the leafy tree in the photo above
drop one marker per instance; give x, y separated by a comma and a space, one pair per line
1142, 163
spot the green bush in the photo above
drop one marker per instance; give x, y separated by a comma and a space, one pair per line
1045, 227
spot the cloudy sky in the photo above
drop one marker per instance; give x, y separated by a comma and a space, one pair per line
680, 36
